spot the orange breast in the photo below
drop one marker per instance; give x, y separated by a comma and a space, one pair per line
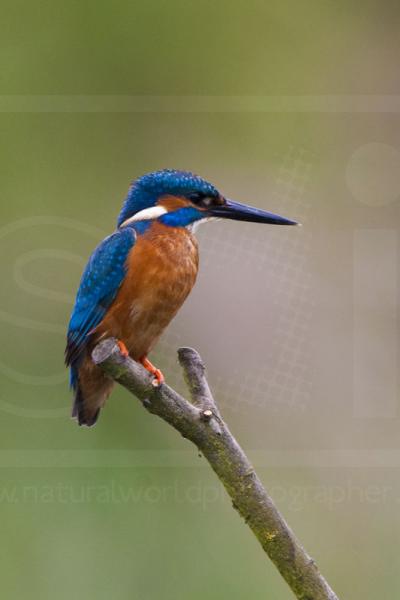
162, 269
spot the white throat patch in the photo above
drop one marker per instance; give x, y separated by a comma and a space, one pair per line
146, 215
194, 226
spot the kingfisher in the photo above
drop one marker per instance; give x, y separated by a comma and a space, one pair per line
138, 277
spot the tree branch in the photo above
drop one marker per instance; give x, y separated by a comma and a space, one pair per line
200, 422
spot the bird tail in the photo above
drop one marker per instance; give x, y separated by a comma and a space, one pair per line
92, 389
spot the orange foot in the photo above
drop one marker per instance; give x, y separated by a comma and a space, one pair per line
158, 376
122, 348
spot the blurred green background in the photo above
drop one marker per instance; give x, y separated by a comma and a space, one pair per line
289, 106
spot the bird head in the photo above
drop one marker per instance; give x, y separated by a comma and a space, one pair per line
180, 199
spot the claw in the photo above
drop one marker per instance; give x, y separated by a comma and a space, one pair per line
158, 375
122, 348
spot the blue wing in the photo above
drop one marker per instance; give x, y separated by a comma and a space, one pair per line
99, 285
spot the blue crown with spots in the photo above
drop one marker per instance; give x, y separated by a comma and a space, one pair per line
145, 191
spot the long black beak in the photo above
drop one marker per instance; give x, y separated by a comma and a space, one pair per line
242, 212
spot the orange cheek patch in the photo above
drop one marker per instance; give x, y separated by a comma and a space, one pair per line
171, 203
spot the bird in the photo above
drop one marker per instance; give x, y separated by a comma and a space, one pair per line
139, 276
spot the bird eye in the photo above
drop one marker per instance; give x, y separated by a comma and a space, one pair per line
196, 196
201, 199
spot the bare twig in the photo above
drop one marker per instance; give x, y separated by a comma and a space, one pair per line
200, 422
